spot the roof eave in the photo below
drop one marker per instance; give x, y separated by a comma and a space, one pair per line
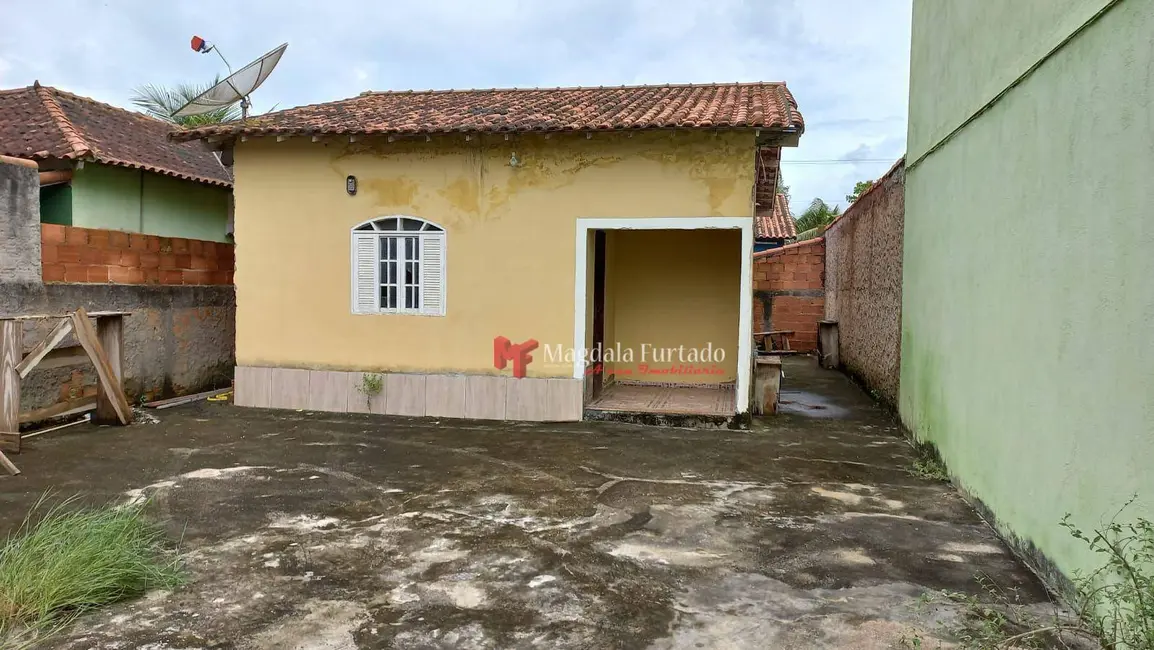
786, 136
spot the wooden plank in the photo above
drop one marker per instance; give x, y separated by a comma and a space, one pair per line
62, 329
72, 355
33, 434
94, 314
78, 405
185, 399
110, 332
11, 343
109, 376
7, 464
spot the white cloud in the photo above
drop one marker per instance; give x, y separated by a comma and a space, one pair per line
846, 61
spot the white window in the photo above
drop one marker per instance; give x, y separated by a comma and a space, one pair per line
398, 267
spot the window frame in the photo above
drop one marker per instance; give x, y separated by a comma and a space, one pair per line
393, 227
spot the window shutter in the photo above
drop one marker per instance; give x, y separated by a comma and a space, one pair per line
433, 275
366, 288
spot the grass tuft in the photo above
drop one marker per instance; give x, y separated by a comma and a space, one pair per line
65, 560
928, 463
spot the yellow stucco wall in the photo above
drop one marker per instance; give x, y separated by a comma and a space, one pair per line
510, 236
674, 288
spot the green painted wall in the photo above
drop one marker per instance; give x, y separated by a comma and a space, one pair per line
965, 52
177, 208
117, 198
106, 197
1028, 298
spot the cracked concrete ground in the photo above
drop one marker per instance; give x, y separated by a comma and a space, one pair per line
310, 530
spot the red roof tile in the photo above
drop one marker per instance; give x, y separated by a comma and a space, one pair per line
777, 223
700, 106
40, 122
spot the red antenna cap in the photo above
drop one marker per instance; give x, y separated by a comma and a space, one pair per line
199, 44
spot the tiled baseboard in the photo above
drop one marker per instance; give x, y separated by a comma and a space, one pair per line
482, 397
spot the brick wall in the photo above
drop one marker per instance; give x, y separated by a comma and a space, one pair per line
177, 339
864, 283
789, 291
86, 255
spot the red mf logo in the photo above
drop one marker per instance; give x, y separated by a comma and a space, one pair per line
505, 351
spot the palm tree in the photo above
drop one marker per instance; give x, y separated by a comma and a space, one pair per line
818, 214
162, 103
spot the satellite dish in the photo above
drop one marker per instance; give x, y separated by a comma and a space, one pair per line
235, 87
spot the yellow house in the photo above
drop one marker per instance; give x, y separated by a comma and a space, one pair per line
529, 254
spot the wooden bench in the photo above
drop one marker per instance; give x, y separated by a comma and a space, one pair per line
768, 344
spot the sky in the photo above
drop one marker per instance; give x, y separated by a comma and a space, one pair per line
846, 61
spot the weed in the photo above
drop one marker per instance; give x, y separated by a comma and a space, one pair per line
1117, 599
910, 640
371, 384
65, 560
928, 464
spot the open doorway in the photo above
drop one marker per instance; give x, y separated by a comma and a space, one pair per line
666, 315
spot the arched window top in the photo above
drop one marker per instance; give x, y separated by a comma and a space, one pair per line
399, 225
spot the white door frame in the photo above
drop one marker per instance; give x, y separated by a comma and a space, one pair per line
745, 322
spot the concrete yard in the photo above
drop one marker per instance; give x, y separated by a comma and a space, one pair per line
309, 530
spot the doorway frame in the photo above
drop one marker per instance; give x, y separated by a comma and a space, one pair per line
745, 303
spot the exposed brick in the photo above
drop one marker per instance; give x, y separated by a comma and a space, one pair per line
152, 276
130, 259
195, 246
97, 274
197, 277
200, 263
49, 254
165, 245
68, 254
150, 260
220, 277
76, 273
98, 238
179, 245
167, 261
90, 255
184, 261
138, 242
153, 244
52, 272
76, 236
117, 239
208, 248
120, 274
168, 276
110, 257
51, 233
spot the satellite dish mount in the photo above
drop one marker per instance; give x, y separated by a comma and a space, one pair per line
236, 87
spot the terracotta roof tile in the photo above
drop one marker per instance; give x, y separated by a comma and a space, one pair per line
40, 122
705, 106
777, 223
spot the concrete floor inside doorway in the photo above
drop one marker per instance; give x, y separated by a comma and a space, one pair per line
310, 530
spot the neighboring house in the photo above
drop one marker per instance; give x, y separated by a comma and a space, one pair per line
105, 167
775, 226
427, 235
1027, 356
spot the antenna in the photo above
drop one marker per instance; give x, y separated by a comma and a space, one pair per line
237, 86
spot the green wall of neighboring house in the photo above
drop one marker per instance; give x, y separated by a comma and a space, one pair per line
117, 198
1026, 355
